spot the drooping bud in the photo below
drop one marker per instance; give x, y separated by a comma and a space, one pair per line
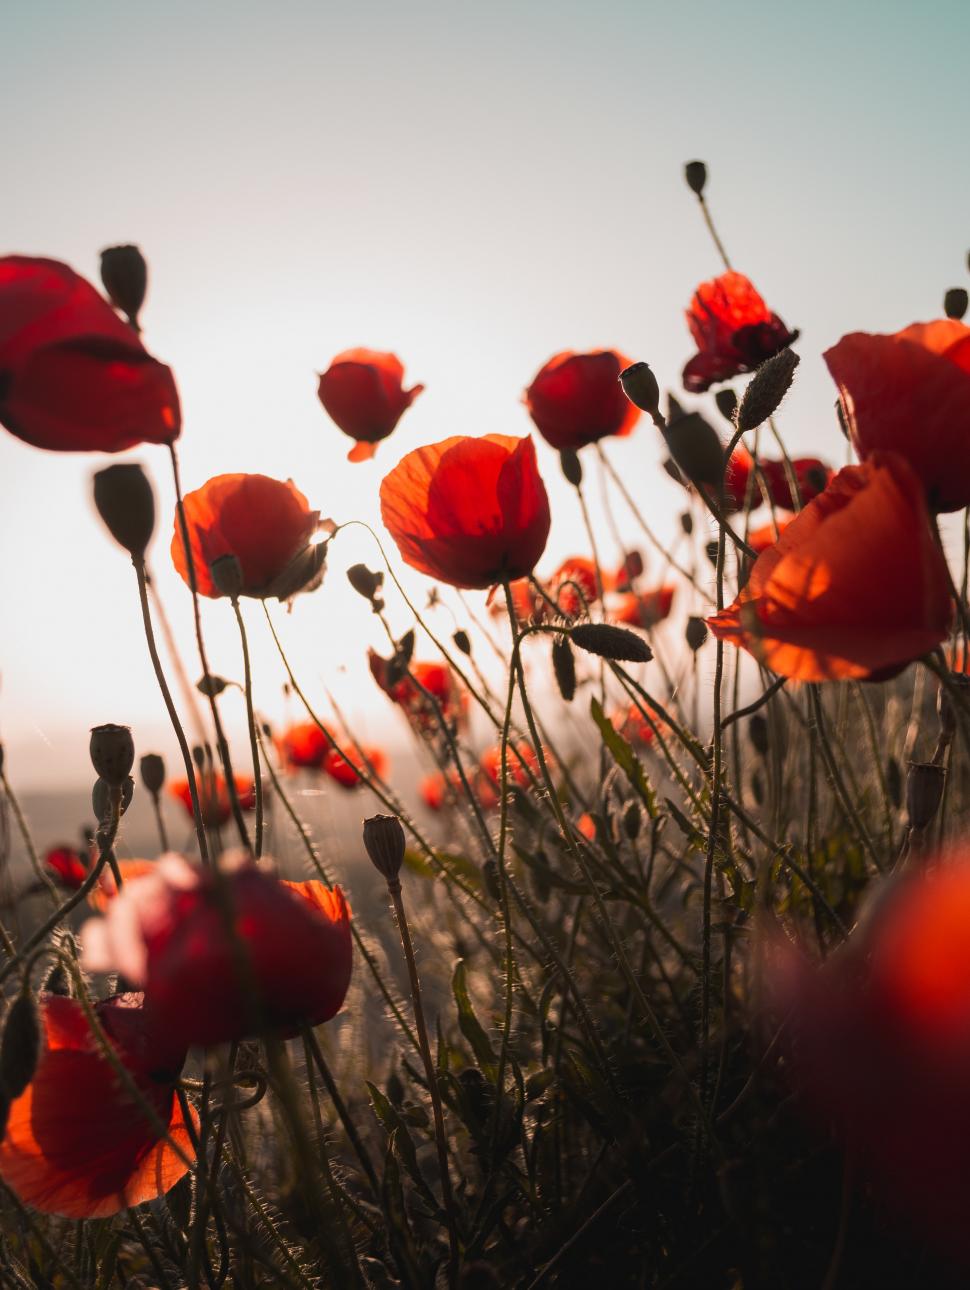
572, 467
112, 753
461, 641
366, 582
687, 522
19, 1044
695, 172
641, 388
924, 792
611, 642
696, 449
385, 844
766, 389
211, 686
758, 734
124, 275
696, 633
564, 667
152, 770
126, 503
727, 403
955, 302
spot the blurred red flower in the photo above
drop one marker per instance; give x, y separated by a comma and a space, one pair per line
734, 331
285, 963
363, 392
521, 760
642, 609
214, 796
572, 587
738, 481
345, 766
73, 376
634, 726
856, 586
304, 746
760, 539
910, 393
811, 474
70, 866
266, 524
470, 512
437, 790
77, 1142
439, 681
577, 399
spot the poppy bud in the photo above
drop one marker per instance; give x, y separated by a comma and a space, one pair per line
101, 798
564, 667
766, 389
632, 819
112, 753
695, 172
758, 734
641, 388
710, 550
125, 502
924, 791
696, 449
124, 275
572, 467
211, 686
200, 754
955, 302
727, 403
462, 642
365, 582
227, 575
687, 523
385, 844
611, 642
152, 770
19, 1045
696, 633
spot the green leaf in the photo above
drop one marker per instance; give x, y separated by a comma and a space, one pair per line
471, 1027
624, 756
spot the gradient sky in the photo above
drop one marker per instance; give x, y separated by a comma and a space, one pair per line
473, 187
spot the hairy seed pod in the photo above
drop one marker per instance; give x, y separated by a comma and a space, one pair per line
385, 843
766, 389
564, 667
227, 575
641, 388
611, 642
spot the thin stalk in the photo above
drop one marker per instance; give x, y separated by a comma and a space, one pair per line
250, 718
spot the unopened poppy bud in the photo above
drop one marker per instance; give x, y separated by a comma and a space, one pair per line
611, 642
758, 734
572, 467
385, 844
766, 389
211, 686
112, 753
226, 572
955, 302
632, 819
696, 448
365, 581
727, 403
687, 523
125, 502
124, 274
101, 799
696, 633
641, 388
564, 667
152, 770
199, 753
695, 172
19, 1045
924, 791
462, 642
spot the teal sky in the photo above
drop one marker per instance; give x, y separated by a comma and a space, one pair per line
473, 187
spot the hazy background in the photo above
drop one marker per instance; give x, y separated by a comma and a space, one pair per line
473, 187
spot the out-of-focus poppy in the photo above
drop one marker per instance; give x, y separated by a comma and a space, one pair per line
470, 512
433, 789
345, 766
811, 475
73, 376
265, 523
856, 586
77, 1141
70, 866
439, 681
740, 481
438, 789
760, 539
577, 399
286, 961
910, 393
624, 578
304, 746
587, 827
642, 609
521, 760
214, 796
363, 392
572, 587
634, 726
734, 331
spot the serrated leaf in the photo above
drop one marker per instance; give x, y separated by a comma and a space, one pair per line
624, 756
471, 1027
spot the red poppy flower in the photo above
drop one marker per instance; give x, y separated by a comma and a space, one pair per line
345, 766
433, 789
812, 476
363, 392
286, 963
304, 746
438, 790
439, 681
577, 399
856, 586
267, 525
574, 586
734, 330
77, 1142
739, 481
521, 756
644, 609
68, 864
910, 393
73, 376
214, 796
634, 726
469, 512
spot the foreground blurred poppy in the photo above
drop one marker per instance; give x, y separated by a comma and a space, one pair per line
470, 512
73, 376
577, 399
734, 330
77, 1142
644, 609
855, 587
71, 868
760, 539
363, 392
439, 681
266, 524
287, 962
214, 796
880, 1044
910, 392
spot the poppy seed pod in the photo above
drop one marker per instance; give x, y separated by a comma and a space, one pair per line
227, 576
152, 769
124, 275
126, 503
696, 449
112, 753
696, 633
924, 792
572, 467
19, 1045
769, 385
611, 642
462, 642
641, 388
955, 303
695, 172
385, 844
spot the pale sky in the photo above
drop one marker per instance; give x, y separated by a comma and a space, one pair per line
471, 186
